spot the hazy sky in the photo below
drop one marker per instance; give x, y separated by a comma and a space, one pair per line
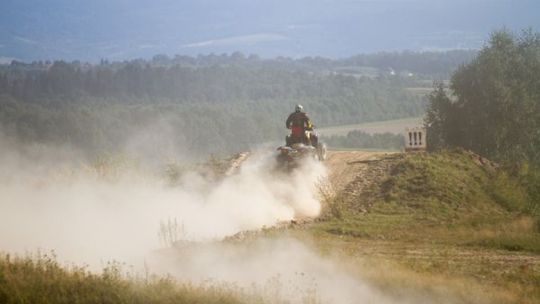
121, 29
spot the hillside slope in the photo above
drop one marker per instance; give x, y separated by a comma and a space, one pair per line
446, 227
448, 216
413, 191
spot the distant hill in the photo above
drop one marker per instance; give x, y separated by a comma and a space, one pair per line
118, 30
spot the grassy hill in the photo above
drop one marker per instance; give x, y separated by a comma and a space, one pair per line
447, 197
451, 217
447, 227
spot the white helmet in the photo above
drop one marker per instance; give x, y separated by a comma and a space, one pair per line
299, 108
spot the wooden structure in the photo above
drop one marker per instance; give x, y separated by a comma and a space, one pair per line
415, 139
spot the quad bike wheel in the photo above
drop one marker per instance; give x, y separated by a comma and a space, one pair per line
321, 151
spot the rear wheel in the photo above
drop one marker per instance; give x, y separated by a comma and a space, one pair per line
282, 162
321, 151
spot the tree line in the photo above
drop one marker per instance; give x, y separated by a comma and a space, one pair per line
208, 109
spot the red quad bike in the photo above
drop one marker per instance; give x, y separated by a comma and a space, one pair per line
300, 145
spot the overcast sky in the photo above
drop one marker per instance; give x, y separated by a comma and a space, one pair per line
122, 29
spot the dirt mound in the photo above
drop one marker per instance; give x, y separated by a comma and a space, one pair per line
354, 175
447, 182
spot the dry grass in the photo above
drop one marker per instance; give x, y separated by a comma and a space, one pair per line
41, 279
443, 229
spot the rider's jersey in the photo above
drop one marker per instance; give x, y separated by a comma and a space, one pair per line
298, 122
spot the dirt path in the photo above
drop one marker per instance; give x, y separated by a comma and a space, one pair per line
353, 174
346, 166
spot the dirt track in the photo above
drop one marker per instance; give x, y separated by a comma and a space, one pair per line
346, 166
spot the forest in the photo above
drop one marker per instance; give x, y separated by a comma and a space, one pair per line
210, 104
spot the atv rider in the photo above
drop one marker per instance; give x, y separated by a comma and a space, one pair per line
300, 125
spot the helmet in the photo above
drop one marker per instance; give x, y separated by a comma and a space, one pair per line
298, 108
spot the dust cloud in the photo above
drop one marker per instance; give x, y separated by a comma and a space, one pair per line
85, 217
283, 269
50, 200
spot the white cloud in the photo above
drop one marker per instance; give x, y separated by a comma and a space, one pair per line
25, 40
147, 46
6, 60
243, 39
294, 27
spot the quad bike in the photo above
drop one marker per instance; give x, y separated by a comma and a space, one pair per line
297, 149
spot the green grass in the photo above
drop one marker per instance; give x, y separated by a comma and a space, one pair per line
446, 197
511, 242
442, 219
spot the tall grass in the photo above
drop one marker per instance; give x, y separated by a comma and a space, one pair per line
41, 279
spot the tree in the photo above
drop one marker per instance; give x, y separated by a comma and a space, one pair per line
438, 118
495, 110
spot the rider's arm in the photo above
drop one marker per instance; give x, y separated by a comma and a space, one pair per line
308, 124
288, 122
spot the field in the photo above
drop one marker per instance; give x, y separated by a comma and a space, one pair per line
396, 126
